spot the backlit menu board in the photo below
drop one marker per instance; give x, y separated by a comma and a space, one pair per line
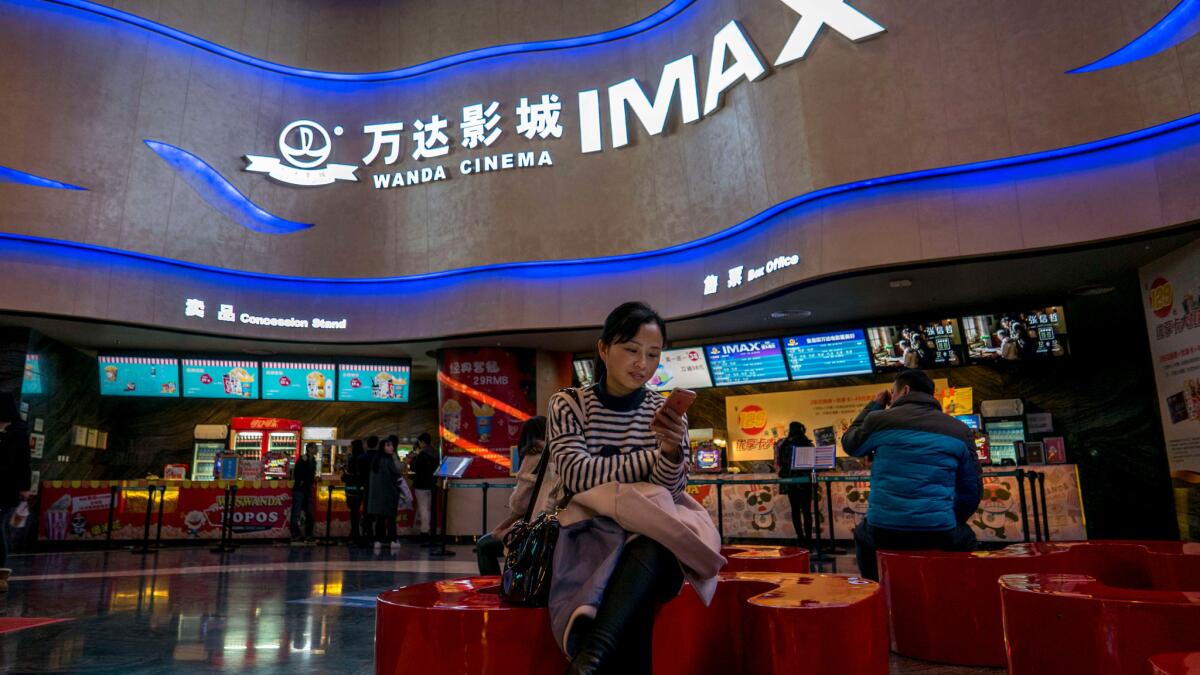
298, 381
827, 354
747, 362
1016, 336
927, 344
379, 383
31, 383
220, 378
681, 368
138, 376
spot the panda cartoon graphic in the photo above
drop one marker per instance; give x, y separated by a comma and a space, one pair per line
762, 509
996, 509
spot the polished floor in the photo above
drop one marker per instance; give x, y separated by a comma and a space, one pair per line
260, 609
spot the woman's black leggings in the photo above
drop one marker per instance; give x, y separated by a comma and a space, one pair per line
620, 638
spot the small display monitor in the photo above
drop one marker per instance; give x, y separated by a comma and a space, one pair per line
453, 467
139, 376
585, 372
706, 458
1003, 437
827, 354
922, 344
750, 362
378, 383
1016, 336
681, 368
298, 381
820, 457
219, 378
972, 421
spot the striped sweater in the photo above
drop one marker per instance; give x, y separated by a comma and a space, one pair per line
616, 445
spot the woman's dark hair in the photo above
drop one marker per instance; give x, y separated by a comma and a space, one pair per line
372, 442
395, 441
424, 438
622, 324
532, 431
797, 430
356, 447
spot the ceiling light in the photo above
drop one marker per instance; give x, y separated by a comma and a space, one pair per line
1090, 290
791, 314
900, 283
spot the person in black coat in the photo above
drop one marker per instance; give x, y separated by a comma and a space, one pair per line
355, 477
800, 495
14, 473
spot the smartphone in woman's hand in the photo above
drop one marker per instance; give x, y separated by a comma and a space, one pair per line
680, 400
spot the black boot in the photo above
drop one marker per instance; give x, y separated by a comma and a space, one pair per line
620, 638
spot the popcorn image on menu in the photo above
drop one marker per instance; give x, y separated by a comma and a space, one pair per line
451, 415
319, 386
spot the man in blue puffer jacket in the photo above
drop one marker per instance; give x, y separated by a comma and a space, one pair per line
924, 475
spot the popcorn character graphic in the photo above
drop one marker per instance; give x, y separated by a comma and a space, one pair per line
79, 525
762, 509
996, 509
193, 521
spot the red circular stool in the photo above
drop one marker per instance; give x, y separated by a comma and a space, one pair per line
945, 606
765, 559
1176, 663
813, 623
1070, 623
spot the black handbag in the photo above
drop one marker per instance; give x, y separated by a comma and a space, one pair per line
528, 567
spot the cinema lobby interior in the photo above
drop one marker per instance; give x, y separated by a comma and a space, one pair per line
685, 337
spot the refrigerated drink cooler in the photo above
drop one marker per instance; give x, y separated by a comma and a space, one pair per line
266, 447
210, 440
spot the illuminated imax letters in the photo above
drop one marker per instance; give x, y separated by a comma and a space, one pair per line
730, 45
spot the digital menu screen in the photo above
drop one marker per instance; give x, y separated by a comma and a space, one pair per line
220, 378
1016, 336
138, 376
298, 381
747, 363
31, 382
827, 354
378, 383
681, 368
928, 344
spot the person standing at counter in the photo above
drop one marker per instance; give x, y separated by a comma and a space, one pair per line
424, 464
14, 473
925, 479
800, 495
304, 476
355, 477
383, 495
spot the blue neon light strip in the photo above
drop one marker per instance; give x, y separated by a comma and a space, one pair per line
8, 175
1178, 25
752, 222
672, 9
222, 195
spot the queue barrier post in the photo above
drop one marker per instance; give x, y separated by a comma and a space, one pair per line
1020, 474
112, 504
1045, 507
144, 548
226, 544
162, 497
328, 540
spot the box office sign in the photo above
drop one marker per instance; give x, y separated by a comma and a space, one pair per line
406, 152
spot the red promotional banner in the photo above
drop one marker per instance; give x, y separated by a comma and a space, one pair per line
485, 395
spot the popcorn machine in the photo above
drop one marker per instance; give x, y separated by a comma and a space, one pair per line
266, 447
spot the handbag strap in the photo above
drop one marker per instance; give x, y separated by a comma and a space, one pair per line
545, 459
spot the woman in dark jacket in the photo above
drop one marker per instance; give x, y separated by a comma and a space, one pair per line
800, 495
14, 473
383, 494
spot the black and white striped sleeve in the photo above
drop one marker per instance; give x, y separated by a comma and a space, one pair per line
673, 475
580, 470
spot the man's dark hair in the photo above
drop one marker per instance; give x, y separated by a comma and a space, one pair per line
425, 438
372, 442
796, 430
915, 380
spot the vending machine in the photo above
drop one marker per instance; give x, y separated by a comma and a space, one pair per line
210, 440
266, 447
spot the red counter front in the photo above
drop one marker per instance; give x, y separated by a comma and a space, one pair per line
78, 510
